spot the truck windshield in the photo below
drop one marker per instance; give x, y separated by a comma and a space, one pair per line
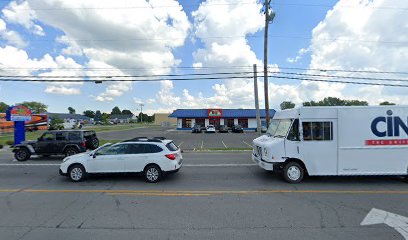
279, 127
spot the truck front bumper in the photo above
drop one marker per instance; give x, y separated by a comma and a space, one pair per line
262, 163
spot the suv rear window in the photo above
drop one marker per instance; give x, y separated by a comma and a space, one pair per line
171, 146
89, 133
73, 136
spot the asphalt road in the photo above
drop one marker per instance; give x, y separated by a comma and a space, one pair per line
214, 196
186, 139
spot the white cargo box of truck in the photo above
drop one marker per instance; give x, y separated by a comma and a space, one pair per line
337, 141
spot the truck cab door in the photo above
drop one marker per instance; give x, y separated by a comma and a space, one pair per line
292, 141
318, 148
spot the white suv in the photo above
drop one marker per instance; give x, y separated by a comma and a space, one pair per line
152, 157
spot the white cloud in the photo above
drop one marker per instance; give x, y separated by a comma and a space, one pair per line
13, 66
142, 36
62, 90
299, 55
21, 13
137, 100
362, 35
10, 36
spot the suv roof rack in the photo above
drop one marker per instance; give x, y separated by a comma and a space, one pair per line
145, 139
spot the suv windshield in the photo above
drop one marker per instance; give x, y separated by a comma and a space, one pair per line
279, 127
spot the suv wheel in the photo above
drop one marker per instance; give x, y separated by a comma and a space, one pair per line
152, 173
22, 154
70, 151
76, 173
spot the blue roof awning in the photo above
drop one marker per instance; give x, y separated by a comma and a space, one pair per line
226, 113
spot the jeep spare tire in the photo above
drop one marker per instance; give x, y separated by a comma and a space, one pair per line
93, 143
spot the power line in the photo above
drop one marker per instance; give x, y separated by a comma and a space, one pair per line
340, 39
207, 5
203, 68
200, 79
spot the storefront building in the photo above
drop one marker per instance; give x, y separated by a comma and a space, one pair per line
187, 118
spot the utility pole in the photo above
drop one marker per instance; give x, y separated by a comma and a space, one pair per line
258, 119
141, 112
268, 18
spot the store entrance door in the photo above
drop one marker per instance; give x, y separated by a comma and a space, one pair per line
215, 122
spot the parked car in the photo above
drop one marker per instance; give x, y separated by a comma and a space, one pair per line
152, 157
223, 129
263, 129
98, 123
210, 129
62, 142
196, 129
237, 129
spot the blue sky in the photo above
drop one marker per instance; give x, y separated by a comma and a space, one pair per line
215, 33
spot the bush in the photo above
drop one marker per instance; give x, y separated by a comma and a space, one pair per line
1, 146
10, 142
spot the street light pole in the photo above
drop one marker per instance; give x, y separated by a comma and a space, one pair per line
268, 18
141, 112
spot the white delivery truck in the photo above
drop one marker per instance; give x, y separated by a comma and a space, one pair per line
335, 141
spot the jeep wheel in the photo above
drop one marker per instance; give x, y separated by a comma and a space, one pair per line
70, 151
22, 154
76, 173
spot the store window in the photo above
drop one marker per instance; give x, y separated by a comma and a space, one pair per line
186, 123
200, 121
317, 131
229, 122
243, 122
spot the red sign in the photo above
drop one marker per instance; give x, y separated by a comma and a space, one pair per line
20, 113
214, 113
387, 142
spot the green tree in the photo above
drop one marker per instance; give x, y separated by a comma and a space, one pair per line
146, 118
35, 107
71, 110
98, 116
3, 107
386, 103
333, 101
89, 113
56, 123
105, 117
116, 111
126, 112
287, 105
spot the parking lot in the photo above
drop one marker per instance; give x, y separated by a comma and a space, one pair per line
187, 140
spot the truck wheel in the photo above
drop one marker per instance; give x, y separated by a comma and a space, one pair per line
76, 173
22, 154
152, 173
293, 172
70, 151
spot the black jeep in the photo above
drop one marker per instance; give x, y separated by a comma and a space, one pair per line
64, 142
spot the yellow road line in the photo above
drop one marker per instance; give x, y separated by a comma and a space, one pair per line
204, 192
161, 194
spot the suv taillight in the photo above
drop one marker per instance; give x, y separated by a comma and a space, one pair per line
171, 156
84, 144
